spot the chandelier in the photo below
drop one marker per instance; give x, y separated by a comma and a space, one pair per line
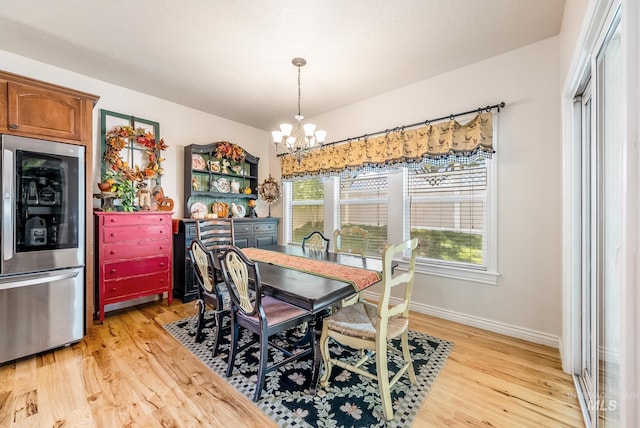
297, 139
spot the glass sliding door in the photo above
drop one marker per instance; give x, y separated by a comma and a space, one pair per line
609, 187
601, 218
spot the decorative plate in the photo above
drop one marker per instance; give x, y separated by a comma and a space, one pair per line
221, 209
241, 211
198, 210
197, 162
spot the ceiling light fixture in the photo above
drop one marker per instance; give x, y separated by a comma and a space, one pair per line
298, 139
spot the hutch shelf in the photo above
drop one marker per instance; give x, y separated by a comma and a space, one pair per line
209, 179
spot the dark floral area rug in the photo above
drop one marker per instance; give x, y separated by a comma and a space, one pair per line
350, 401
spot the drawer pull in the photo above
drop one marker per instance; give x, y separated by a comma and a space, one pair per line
112, 252
161, 264
162, 231
112, 220
13, 126
113, 289
161, 247
113, 234
113, 271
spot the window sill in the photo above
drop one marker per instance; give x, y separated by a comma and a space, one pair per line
471, 275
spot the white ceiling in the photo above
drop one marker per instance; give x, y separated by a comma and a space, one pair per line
232, 58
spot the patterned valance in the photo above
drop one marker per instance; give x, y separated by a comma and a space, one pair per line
437, 144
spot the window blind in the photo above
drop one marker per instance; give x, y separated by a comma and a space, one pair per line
307, 208
363, 202
447, 212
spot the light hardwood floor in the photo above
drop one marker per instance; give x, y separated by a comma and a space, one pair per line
130, 372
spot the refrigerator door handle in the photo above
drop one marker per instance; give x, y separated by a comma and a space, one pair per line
25, 281
7, 205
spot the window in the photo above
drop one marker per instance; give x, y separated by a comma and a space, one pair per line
133, 153
305, 208
450, 209
363, 202
446, 212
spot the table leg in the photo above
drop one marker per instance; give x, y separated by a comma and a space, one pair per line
315, 354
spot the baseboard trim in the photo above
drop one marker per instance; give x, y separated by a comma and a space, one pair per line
485, 324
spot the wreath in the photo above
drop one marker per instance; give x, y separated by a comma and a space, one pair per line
117, 140
269, 190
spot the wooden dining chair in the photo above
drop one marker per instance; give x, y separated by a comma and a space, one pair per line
316, 241
216, 234
351, 240
370, 327
210, 292
260, 314
212, 236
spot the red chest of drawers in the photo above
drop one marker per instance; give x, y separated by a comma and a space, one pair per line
134, 256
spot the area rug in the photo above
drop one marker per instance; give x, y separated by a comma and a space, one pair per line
350, 401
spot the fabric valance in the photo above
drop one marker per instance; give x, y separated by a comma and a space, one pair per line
437, 144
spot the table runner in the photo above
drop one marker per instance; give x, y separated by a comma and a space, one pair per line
360, 278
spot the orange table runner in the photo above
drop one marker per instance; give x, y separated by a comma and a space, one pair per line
360, 278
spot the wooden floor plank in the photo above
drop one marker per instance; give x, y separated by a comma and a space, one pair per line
130, 372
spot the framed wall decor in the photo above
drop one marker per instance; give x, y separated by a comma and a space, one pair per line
132, 146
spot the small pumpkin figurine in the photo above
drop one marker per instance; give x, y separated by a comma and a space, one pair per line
247, 190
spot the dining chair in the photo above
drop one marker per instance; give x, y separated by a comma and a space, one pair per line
261, 314
216, 234
365, 326
213, 236
351, 240
210, 292
316, 241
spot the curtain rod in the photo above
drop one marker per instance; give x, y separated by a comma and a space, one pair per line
424, 122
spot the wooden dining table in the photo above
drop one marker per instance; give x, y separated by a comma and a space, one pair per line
313, 292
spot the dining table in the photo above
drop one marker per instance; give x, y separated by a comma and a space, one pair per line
313, 280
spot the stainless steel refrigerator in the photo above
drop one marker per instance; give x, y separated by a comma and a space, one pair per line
42, 245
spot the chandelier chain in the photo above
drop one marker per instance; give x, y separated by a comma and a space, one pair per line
299, 91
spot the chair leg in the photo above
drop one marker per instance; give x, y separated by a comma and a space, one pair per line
200, 325
233, 346
404, 341
216, 341
383, 380
262, 366
324, 350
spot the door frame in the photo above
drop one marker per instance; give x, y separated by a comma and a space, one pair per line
598, 19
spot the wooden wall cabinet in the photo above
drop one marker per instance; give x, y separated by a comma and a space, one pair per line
31, 108
37, 109
249, 232
134, 256
26, 104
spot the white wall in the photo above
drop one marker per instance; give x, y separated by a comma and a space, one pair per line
526, 302
527, 299
572, 31
179, 125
